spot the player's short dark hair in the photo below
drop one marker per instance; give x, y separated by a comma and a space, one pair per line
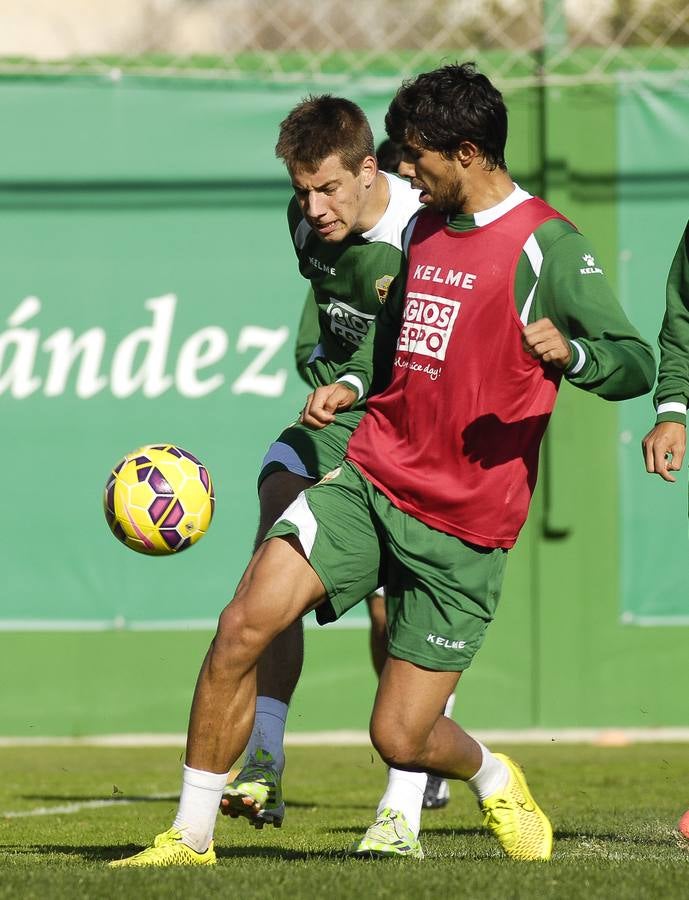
441, 109
321, 126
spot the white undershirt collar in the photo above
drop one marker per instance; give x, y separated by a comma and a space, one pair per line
485, 216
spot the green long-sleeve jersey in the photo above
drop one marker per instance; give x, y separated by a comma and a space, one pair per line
672, 391
557, 277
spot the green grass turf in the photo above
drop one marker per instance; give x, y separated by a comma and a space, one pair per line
613, 811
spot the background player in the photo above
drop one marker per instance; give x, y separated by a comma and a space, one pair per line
665, 444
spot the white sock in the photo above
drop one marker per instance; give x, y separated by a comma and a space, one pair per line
491, 777
404, 794
269, 730
198, 807
449, 706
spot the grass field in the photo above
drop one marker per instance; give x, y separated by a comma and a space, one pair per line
65, 812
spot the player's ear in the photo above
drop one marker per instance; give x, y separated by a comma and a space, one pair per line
467, 153
369, 170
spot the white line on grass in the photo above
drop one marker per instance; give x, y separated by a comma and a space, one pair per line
69, 808
604, 737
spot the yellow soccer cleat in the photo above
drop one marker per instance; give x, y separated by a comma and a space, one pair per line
515, 818
168, 850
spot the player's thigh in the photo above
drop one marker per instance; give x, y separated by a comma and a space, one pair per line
376, 610
442, 594
275, 494
335, 528
277, 588
308, 452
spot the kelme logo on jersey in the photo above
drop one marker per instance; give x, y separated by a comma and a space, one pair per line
590, 268
428, 323
322, 267
349, 324
383, 286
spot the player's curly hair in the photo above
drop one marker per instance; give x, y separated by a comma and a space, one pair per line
441, 109
323, 125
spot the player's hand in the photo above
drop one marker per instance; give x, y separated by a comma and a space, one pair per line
663, 449
324, 402
542, 340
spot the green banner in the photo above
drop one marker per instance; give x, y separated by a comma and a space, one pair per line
148, 293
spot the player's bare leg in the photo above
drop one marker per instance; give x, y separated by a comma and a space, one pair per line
256, 792
378, 635
403, 788
435, 790
278, 586
410, 732
280, 665
416, 735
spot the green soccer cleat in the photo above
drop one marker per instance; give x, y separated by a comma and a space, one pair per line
168, 850
256, 793
389, 836
515, 818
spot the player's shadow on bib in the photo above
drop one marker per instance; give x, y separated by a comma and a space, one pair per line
491, 442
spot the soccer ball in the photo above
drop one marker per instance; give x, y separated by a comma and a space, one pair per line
159, 500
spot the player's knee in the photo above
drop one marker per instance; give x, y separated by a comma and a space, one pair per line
239, 638
396, 747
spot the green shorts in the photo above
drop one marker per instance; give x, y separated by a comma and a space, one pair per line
309, 452
441, 591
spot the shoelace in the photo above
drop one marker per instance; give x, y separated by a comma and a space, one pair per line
493, 814
387, 821
167, 837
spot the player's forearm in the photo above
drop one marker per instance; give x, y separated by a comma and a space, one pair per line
613, 369
609, 356
672, 392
